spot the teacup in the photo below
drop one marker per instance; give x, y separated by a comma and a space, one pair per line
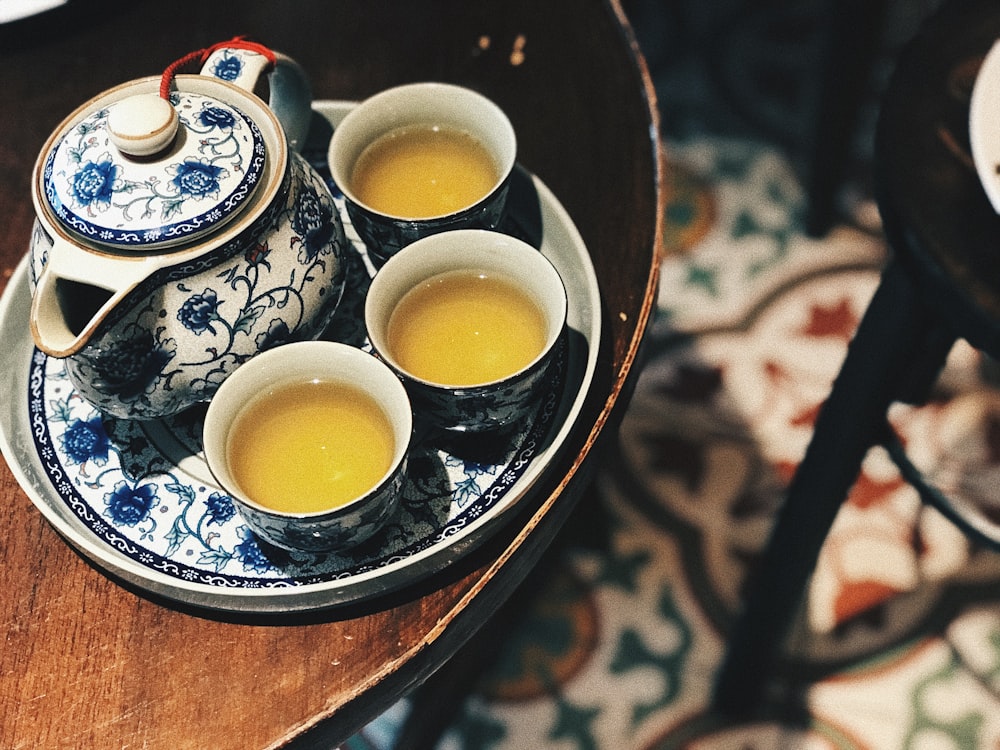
310, 441
470, 320
419, 159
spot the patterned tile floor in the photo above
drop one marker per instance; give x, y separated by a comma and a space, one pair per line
898, 645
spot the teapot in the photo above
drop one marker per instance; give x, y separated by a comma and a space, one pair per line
178, 232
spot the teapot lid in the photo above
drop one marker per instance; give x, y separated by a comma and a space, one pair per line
148, 170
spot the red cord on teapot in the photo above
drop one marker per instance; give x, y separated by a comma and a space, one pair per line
201, 55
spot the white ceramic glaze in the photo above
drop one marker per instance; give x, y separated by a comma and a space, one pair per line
346, 525
157, 277
427, 103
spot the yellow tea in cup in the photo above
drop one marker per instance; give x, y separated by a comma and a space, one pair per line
465, 328
421, 171
305, 447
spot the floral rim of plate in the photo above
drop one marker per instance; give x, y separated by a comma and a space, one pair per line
537, 216
116, 478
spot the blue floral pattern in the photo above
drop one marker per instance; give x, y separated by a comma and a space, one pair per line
197, 179
116, 478
217, 117
311, 223
86, 440
93, 185
129, 505
198, 312
178, 338
129, 366
220, 508
136, 203
228, 67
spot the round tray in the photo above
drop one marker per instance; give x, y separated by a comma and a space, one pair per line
137, 499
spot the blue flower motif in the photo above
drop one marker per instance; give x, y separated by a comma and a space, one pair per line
198, 312
249, 553
216, 117
128, 506
94, 182
220, 508
277, 333
311, 222
197, 179
86, 441
126, 368
228, 68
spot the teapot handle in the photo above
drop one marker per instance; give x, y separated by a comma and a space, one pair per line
291, 96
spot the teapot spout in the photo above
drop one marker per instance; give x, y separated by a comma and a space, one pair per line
65, 313
76, 290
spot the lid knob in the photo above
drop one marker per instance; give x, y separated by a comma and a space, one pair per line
142, 124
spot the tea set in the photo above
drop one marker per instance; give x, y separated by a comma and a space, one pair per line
184, 252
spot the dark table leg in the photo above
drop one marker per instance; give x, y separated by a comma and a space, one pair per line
849, 51
895, 343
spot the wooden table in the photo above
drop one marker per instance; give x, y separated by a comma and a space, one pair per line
88, 663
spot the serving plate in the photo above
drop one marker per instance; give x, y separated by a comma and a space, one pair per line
137, 499
984, 113
18, 10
